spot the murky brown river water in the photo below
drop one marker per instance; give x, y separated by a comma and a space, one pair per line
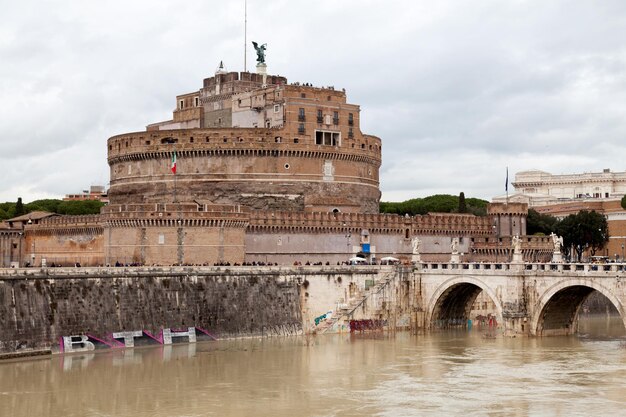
448, 373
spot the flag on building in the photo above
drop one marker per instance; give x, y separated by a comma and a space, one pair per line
174, 162
506, 184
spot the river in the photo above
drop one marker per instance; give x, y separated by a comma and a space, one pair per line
374, 374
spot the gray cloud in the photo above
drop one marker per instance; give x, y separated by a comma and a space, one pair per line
457, 91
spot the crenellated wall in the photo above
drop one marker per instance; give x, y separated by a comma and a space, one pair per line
173, 234
65, 241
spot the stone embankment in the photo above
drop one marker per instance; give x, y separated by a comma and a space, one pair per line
74, 309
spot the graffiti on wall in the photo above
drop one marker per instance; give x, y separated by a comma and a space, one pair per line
364, 325
129, 339
324, 316
287, 329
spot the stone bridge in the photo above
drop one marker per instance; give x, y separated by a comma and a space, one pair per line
532, 299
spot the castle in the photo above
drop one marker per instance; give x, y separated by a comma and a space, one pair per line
253, 169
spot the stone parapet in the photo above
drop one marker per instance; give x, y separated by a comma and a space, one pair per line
441, 223
217, 141
174, 215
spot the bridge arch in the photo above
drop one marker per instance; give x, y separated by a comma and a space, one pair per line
557, 308
454, 298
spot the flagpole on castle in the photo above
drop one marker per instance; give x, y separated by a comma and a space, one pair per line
506, 186
173, 168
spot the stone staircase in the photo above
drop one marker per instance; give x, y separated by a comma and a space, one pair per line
346, 310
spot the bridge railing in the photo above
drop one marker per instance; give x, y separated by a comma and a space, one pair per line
498, 267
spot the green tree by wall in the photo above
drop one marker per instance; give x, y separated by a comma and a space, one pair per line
9, 210
624, 202
462, 204
540, 224
584, 230
19, 207
439, 203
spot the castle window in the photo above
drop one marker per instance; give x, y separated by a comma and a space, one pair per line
301, 128
350, 133
110, 147
169, 140
287, 166
225, 140
320, 116
362, 146
191, 139
147, 142
206, 139
277, 139
350, 119
302, 95
301, 117
196, 101
335, 118
296, 140
328, 98
276, 108
181, 104
327, 138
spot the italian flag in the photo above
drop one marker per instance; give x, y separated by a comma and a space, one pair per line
173, 167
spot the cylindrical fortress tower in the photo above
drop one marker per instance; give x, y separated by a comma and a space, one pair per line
261, 168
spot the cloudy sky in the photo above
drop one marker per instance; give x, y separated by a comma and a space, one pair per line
457, 90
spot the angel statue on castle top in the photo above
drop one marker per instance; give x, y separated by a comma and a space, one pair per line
260, 52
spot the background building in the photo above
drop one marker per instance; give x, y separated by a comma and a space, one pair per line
562, 195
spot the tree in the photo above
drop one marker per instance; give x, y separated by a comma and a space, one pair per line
540, 224
624, 202
19, 207
584, 230
439, 203
462, 205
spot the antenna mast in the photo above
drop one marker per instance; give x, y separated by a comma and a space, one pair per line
245, 35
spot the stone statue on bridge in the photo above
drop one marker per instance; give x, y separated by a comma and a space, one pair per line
454, 246
516, 242
455, 258
557, 241
415, 245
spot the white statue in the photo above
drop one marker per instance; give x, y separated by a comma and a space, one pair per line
416, 243
454, 246
557, 241
517, 244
